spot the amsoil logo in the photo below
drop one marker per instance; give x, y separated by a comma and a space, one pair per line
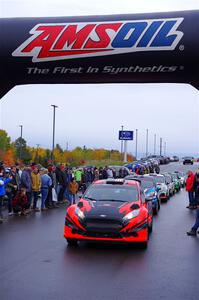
75, 40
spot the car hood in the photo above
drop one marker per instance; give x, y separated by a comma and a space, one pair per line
162, 186
105, 209
149, 191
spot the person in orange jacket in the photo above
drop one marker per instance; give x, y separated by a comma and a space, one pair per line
190, 190
73, 188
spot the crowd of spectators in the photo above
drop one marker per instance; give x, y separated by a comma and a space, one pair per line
32, 188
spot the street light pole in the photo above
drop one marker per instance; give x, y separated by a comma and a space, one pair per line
165, 148
122, 143
154, 144
53, 141
21, 134
136, 143
160, 146
147, 141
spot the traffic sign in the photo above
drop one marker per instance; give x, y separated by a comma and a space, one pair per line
126, 135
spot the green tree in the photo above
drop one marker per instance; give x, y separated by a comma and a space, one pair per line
4, 141
21, 146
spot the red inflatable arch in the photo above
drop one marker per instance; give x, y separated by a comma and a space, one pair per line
141, 48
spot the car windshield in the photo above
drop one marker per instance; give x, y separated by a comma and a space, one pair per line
175, 176
159, 179
108, 192
168, 179
146, 183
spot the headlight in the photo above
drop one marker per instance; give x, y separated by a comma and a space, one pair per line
79, 213
131, 215
152, 195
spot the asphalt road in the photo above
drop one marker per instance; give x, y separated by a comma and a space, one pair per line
35, 262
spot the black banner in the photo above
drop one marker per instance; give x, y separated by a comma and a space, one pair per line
141, 48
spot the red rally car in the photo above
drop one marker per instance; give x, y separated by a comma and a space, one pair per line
114, 210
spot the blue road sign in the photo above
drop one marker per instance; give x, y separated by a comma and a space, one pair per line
126, 135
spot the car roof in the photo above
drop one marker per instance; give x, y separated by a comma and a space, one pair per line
156, 175
117, 182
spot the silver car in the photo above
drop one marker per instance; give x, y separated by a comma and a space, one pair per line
170, 184
161, 186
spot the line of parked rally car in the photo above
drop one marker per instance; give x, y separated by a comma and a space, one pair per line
121, 209
160, 187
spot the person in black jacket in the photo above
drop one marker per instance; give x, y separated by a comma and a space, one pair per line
196, 188
104, 173
61, 182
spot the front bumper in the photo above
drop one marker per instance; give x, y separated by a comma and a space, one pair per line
137, 235
163, 196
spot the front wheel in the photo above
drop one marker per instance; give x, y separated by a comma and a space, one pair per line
144, 245
155, 210
71, 242
158, 205
150, 227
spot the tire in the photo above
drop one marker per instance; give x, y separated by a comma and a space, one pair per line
158, 205
150, 228
155, 210
72, 242
144, 245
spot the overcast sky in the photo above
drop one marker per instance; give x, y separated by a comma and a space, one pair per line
91, 115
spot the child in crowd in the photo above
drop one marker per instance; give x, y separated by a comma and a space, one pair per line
20, 203
73, 188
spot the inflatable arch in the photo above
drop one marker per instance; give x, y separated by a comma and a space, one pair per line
141, 48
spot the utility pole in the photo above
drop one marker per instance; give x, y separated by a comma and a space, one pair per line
154, 144
125, 151
53, 140
136, 143
21, 134
160, 146
147, 141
